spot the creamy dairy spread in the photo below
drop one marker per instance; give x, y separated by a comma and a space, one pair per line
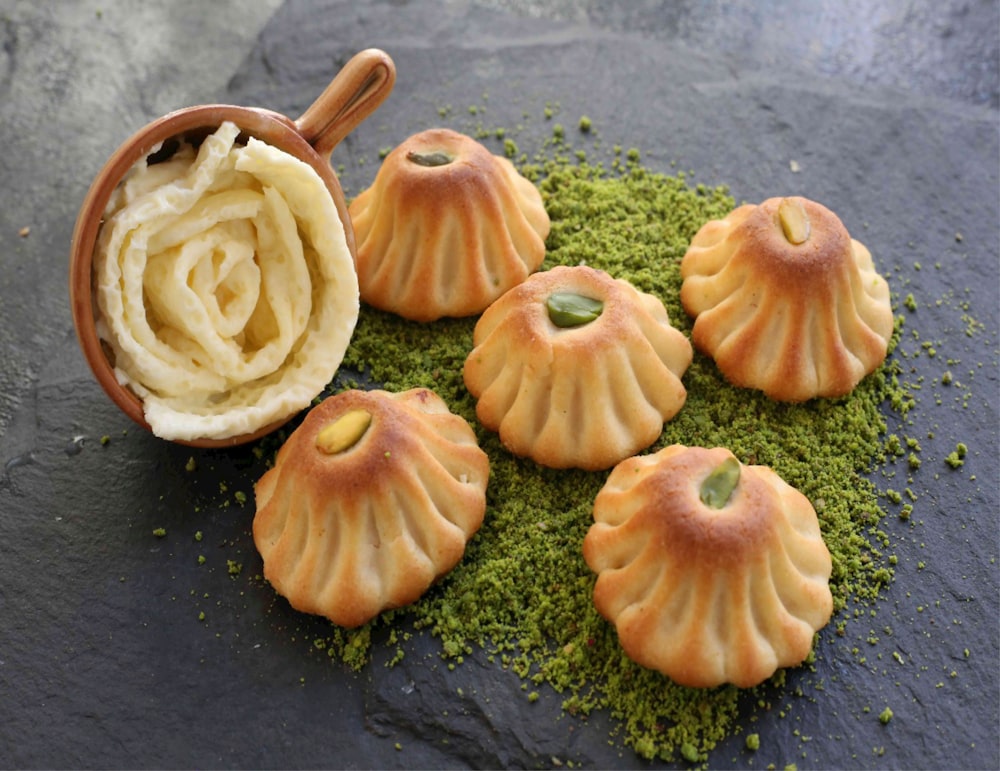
225, 287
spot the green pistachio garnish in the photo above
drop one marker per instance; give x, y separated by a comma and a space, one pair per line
435, 158
719, 485
344, 432
567, 309
794, 221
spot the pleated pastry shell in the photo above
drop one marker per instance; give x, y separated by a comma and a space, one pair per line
582, 397
708, 596
351, 534
794, 321
445, 240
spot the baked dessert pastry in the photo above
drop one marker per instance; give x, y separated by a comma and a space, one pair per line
445, 228
574, 368
711, 571
225, 287
786, 301
371, 499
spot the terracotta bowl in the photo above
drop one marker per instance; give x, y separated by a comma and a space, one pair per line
354, 94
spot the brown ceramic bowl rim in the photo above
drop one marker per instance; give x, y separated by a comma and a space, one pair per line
328, 120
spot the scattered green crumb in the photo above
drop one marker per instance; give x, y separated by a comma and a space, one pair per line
233, 567
910, 302
690, 752
191, 464
885, 716
753, 742
198, 535
201, 615
956, 458
398, 746
201, 559
240, 496
105, 440
585, 124
160, 532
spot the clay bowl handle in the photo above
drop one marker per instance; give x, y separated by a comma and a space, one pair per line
354, 94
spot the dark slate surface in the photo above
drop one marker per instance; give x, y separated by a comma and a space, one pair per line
891, 117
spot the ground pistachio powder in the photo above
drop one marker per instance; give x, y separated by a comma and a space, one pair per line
522, 594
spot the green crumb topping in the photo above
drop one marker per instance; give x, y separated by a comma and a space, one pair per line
585, 124
885, 716
160, 532
753, 742
233, 567
198, 535
105, 440
540, 622
191, 464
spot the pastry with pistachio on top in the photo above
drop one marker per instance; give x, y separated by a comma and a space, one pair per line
576, 369
711, 571
370, 501
446, 228
785, 301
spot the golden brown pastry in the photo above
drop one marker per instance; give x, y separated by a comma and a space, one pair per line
711, 571
574, 368
786, 301
446, 228
369, 501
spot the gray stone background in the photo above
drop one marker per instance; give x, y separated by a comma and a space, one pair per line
891, 111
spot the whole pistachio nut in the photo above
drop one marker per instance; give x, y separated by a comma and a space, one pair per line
794, 221
718, 486
567, 309
430, 158
344, 432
